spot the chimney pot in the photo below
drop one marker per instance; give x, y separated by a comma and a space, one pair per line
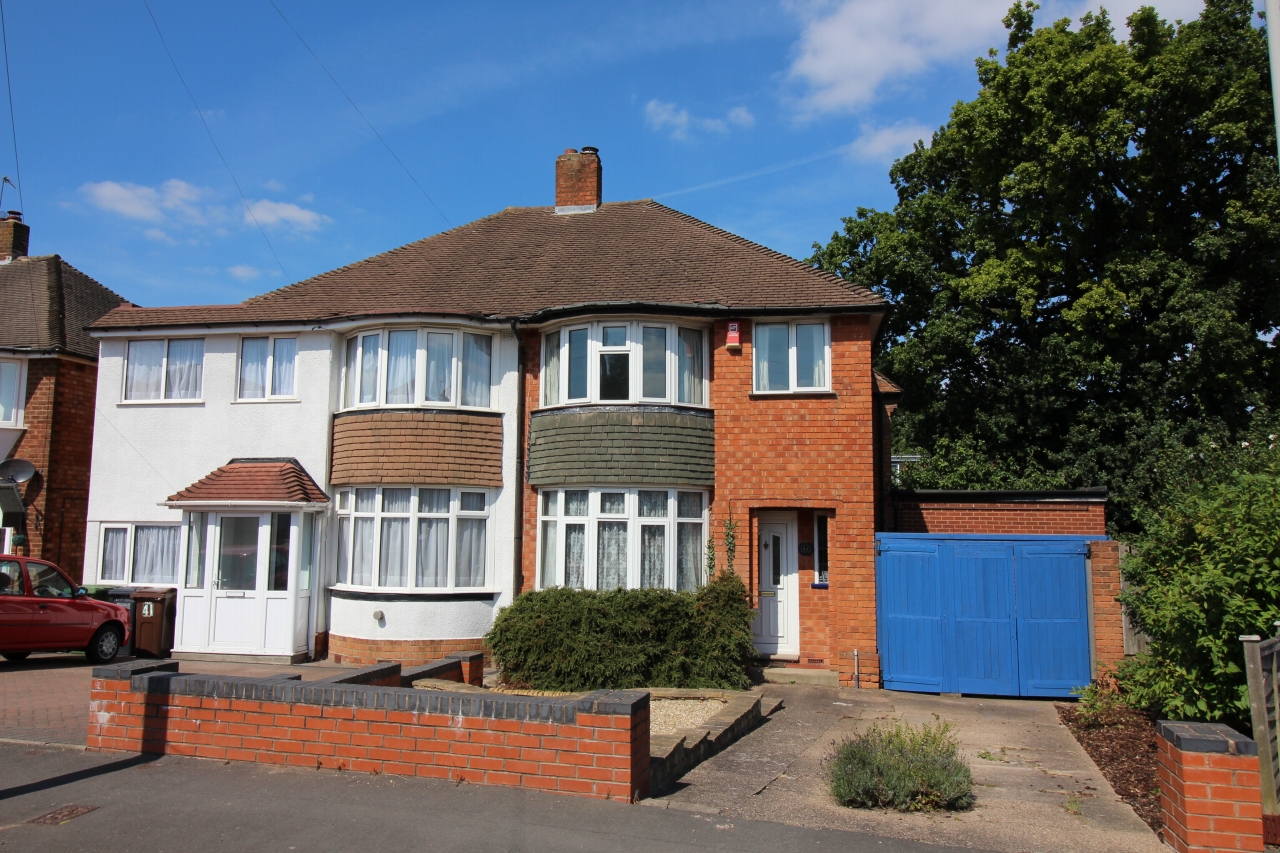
578, 180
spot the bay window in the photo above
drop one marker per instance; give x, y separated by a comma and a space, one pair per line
791, 357
403, 537
10, 392
267, 367
414, 367
617, 538
624, 361
163, 369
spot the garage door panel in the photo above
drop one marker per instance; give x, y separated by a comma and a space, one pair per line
911, 620
1053, 612
982, 598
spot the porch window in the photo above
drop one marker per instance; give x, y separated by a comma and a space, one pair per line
9, 402
267, 367
171, 369
418, 537
197, 537
791, 357
624, 362
614, 538
414, 367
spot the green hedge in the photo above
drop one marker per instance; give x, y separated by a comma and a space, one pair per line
569, 639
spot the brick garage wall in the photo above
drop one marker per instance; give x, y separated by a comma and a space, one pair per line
595, 746
353, 650
1060, 518
1108, 616
417, 447
1209, 788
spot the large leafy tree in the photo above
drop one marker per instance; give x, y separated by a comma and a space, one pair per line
1085, 260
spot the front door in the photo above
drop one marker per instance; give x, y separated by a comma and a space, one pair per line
239, 579
776, 630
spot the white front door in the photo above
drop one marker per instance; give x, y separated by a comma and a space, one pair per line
776, 629
239, 582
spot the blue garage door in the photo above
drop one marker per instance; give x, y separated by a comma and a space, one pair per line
1004, 616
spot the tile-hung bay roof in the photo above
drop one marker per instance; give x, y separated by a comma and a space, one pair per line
46, 305
248, 481
532, 264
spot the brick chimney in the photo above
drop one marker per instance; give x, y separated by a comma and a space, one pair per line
578, 181
14, 235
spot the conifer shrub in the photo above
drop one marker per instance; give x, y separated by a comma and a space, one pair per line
901, 767
571, 639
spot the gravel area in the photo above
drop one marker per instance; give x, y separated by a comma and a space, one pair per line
670, 715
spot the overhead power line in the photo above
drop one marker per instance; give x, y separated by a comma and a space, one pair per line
247, 207
8, 79
360, 112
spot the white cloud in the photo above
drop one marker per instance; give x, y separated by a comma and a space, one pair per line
244, 272
159, 236
275, 186
269, 212
742, 117
850, 50
889, 143
664, 117
151, 204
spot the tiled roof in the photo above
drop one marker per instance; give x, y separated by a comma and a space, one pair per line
885, 385
528, 262
254, 481
47, 303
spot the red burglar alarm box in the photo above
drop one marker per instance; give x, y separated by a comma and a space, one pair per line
734, 338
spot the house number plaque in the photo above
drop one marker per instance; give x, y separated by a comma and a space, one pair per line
806, 549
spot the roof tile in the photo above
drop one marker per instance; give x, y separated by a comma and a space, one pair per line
254, 481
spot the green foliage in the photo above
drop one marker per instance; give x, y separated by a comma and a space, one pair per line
711, 555
1100, 705
1205, 570
730, 541
1083, 259
569, 639
901, 767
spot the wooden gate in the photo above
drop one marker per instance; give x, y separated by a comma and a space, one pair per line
1262, 665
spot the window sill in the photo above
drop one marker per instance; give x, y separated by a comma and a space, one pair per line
353, 593
820, 585
261, 400
161, 403
792, 395
416, 407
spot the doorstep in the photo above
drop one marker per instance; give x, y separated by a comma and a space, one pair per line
216, 657
800, 675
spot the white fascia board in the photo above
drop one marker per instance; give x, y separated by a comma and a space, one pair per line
265, 328
242, 504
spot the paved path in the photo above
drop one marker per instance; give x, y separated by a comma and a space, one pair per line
175, 804
45, 699
777, 773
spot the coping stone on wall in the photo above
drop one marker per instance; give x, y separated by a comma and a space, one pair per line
1206, 737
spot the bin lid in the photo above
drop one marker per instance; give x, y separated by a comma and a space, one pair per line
150, 594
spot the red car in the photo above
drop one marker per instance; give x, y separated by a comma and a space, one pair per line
41, 610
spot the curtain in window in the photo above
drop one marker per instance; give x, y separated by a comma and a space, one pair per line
471, 548
653, 504
344, 549
183, 374
253, 368
551, 369
575, 502
655, 362
433, 552
692, 372
811, 356
433, 501
653, 556
197, 534
369, 368
575, 555
8, 391
282, 360
393, 560
349, 390
144, 372
690, 568
402, 363
476, 369
548, 554
611, 555
366, 500
439, 367
155, 554
362, 553
577, 364
308, 561
771, 345
115, 544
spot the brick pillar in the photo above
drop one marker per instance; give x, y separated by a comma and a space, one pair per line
1210, 798
1108, 620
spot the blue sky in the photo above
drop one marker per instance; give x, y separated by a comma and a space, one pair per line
772, 120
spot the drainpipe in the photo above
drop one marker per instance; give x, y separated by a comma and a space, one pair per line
519, 484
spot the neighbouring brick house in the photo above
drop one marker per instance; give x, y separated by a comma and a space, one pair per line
48, 374
575, 395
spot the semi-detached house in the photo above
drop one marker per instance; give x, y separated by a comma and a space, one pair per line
371, 462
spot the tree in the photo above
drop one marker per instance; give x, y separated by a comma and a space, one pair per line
1083, 261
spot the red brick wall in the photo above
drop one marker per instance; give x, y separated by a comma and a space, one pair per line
815, 605
1065, 519
601, 755
1108, 618
353, 650
1209, 801
527, 571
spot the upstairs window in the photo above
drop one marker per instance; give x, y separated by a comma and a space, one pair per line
791, 357
414, 367
164, 369
267, 367
10, 393
624, 362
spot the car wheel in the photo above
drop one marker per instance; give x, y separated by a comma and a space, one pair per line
15, 657
105, 645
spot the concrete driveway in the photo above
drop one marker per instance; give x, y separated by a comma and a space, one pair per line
1038, 791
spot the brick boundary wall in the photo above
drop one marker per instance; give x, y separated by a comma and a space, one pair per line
362, 652
595, 745
1108, 615
1210, 798
1045, 518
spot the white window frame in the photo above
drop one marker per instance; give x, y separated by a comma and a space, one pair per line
635, 349
131, 528
820, 518
19, 393
791, 325
420, 369
347, 498
590, 575
270, 396
162, 400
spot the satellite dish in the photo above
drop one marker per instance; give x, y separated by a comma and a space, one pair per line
17, 470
